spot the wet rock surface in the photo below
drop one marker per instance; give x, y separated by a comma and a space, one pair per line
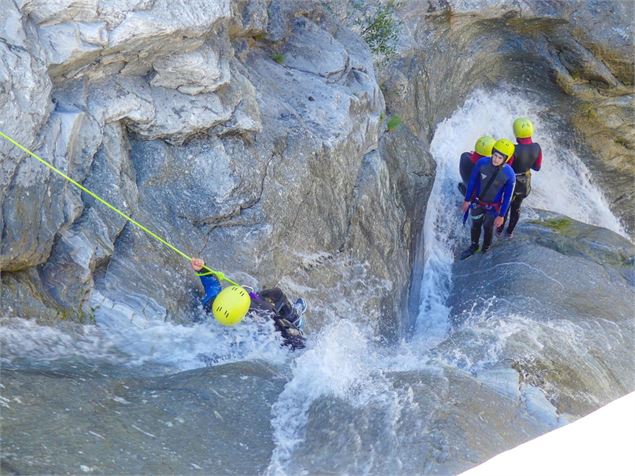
215, 420
104, 419
247, 133
559, 295
440, 423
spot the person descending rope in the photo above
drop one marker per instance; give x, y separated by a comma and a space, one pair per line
527, 156
488, 194
482, 148
229, 307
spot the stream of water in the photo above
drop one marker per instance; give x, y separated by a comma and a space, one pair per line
343, 362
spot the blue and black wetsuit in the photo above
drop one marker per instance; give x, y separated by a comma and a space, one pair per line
493, 188
272, 303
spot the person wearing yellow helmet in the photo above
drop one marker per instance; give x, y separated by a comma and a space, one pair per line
230, 305
527, 156
482, 148
488, 195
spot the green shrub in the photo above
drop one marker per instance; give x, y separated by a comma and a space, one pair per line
393, 122
380, 30
278, 58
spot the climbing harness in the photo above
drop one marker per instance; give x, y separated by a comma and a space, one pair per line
475, 200
218, 274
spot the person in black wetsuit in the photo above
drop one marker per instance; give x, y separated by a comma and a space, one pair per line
287, 318
272, 303
482, 148
527, 156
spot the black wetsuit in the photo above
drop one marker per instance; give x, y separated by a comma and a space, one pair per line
274, 304
527, 156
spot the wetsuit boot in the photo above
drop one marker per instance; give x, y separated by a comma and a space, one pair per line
299, 308
470, 251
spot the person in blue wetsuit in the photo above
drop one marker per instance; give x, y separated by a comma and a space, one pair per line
272, 303
488, 195
482, 148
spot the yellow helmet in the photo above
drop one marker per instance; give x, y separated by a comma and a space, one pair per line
523, 128
504, 147
484, 145
231, 305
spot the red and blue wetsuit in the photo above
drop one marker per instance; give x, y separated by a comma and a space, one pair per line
466, 165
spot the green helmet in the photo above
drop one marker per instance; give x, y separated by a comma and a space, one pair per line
504, 147
484, 145
523, 128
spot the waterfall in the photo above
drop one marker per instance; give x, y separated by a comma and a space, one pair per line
563, 185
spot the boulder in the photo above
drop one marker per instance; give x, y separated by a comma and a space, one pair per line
555, 303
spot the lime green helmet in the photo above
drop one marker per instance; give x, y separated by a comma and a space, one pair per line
504, 147
231, 305
484, 145
523, 128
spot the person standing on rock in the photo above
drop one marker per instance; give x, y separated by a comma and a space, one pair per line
527, 156
272, 303
482, 148
488, 195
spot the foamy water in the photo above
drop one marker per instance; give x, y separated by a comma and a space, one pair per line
344, 360
563, 185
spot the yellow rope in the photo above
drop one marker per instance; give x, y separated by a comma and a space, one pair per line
218, 274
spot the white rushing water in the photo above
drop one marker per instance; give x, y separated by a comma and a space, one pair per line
563, 185
343, 360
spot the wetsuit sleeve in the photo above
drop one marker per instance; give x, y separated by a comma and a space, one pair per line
474, 182
508, 189
538, 162
212, 287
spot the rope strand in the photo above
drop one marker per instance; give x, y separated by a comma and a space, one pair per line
218, 274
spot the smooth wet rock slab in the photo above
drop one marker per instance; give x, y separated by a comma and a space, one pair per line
555, 303
434, 421
207, 421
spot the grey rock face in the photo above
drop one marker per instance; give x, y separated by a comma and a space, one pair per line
179, 116
562, 294
576, 56
209, 419
24, 108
